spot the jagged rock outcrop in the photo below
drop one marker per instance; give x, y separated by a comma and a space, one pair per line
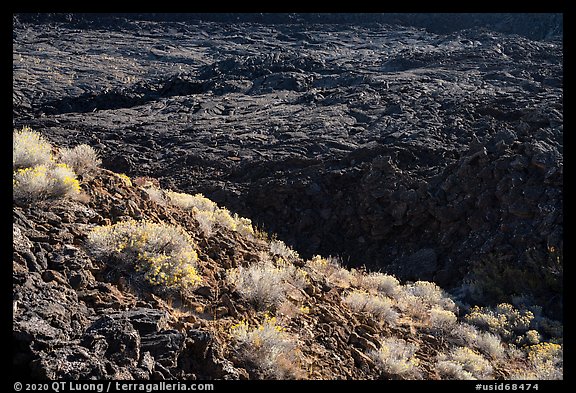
428, 154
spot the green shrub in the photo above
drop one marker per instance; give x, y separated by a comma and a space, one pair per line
165, 254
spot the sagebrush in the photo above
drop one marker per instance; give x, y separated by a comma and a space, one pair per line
164, 254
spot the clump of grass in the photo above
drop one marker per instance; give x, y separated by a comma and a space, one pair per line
395, 357
269, 347
164, 254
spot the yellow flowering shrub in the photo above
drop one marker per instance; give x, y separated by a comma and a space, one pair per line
463, 363
543, 353
29, 149
43, 182
504, 320
208, 214
165, 254
125, 179
545, 361
36, 173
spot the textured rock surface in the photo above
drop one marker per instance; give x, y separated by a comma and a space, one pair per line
370, 142
434, 155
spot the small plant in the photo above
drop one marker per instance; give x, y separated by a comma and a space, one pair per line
44, 182
442, 319
431, 294
504, 320
419, 298
165, 254
490, 345
83, 159
396, 357
36, 174
467, 335
124, 178
379, 282
269, 347
188, 202
463, 334
463, 363
532, 337
209, 215
332, 271
155, 194
30, 149
264, 284
378, 306
451, 370
279, 248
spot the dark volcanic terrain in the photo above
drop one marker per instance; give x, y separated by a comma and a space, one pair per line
429, 155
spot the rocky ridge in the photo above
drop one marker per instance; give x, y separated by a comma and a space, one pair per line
429, 154
77, 316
